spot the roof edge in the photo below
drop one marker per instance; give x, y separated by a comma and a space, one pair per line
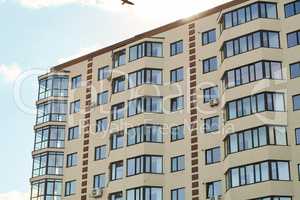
146, 34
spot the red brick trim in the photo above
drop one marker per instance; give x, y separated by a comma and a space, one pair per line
87, 125
193, 111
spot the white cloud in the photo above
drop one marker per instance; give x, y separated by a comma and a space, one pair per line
149, 9
10, 72
14, 195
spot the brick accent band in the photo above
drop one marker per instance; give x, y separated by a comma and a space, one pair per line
193, 111
87, 124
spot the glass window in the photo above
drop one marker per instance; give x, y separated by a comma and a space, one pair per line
209, 37
295, 70
48, 164
117, 140
117, 111
177, 103
177, 133
70, 188
245, 175
213, 155
99, 181
292, 8
297, 132
213, 189
101, 124
116, 169
49, 137
144, 133
75, 82
75, 107
119, 58
280, 135
296, 102
46, 189
100, 152
293, 39
103, 73
73, 133
178, 194
144, 164
211, 124
176, 48
116, 196
177, 163
267, 39
56, 86
210, 94
144, 104
118, 84
149, 49
51, 111
102, 98
145, 76
72, 160
249, 13
210, 64
177, 75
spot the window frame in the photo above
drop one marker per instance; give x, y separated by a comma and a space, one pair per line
101, 121
252, 18
117, 58
213, 160
75, 83
290, 66
114, 170
251, 103
99, 176
142, 136
296, 141
205, 126
176, 158
68, 188
236, 41
74, 107
142, 159
176, 45
98, 152
119, 107
143, 49
102, 73
176, 79
176, 100
297, 32
206, 34
72, 160
294, 9
71, 131
176, 190
210, 68
293, 101
177, 128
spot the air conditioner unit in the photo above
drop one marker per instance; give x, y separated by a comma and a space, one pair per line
214, 102
96, 193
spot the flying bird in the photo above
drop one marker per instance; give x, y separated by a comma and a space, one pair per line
127, 2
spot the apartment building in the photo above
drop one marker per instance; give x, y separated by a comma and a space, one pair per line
206, 107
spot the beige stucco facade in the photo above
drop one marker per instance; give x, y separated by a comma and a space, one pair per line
196, 174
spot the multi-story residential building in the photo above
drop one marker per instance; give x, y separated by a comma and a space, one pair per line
203, 108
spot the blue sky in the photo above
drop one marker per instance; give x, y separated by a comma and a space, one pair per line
37, 34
